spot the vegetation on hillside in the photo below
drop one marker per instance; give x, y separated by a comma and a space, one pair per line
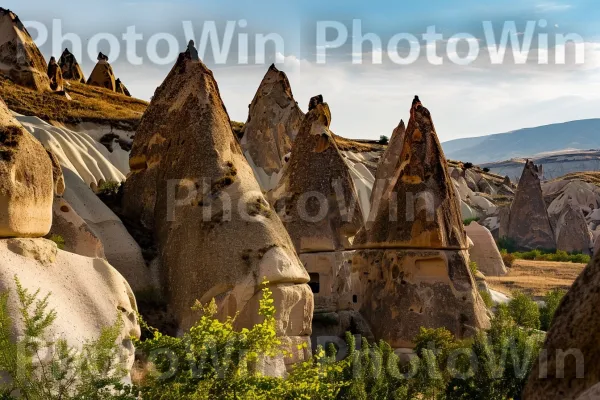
508, 247
213, 360
88, 104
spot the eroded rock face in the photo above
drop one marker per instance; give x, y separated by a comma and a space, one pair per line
421, 200
485, 251
55, 76
575, 328
71, 70
78, 236
572, 232
529, 225
273, 122
86, 293
102, 75
316, 197
386, 170
413, 262
217, 235
20, 58
27, 181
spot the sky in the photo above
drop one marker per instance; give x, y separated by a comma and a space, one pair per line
469, 94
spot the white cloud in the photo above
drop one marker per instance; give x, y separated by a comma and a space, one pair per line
552, 7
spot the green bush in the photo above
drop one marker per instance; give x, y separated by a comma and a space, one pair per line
215, 361
94, 372
524, 311
507, 258
487, 298
473, 268
108, 188
59, 240
468, 221
508, 246
383, 140
551, 302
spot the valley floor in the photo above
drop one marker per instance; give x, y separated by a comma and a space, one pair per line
536, 278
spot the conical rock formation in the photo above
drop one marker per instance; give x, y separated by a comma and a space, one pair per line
386, 170
102, 75
20, 58
120, 88
26, 181
572, 349
572, 231
316, 197
413, 263
420, 209
55, 76
217, 235
71, 70
273, 122
529, 225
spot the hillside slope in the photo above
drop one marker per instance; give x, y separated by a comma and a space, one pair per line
88, 104
581, 135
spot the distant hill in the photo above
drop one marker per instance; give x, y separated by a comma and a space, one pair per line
557, 164
529, 142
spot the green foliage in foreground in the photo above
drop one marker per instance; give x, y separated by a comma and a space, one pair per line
66, 373
213, 360
551, 302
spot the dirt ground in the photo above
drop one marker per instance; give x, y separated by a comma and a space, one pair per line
536, 278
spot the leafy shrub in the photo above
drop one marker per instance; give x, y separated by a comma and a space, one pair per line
487, 298
524, 311
508, 244
40, 368
473, 268
383, 140
486, 169
467, 165
108, 188
214, 361
507, 258
59, 240
551, 302
468, 221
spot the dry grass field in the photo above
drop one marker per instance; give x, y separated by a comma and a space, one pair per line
88, 104
536, 278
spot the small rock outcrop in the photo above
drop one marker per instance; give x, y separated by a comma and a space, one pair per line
20, 58
55, 76
413, 262
274, 120
26, 181
217, 235
485, 251
572, 348
120, 88
71, 70
102, 75
316, 197
529, 225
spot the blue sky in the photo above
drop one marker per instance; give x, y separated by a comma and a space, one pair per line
366, 100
